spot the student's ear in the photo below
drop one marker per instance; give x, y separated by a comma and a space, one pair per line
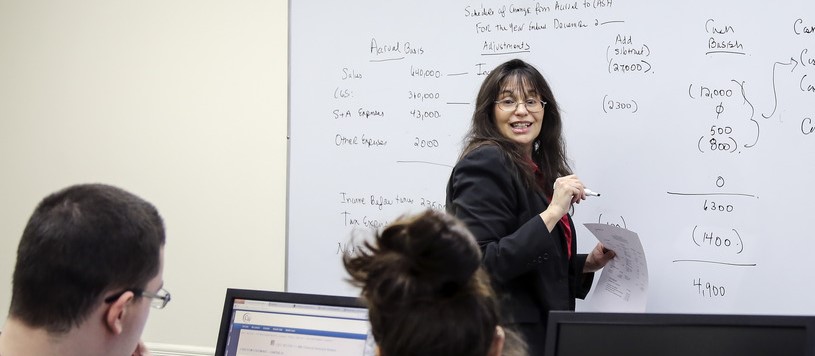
377, 352
116, 312
497, 346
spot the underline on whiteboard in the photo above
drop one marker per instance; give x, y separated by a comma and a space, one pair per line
725, 52
388, 59
455, 74
451, 103
425, 162
503, 53
608, 22
726, 194
720, 263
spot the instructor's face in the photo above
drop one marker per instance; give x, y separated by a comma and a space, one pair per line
518, 124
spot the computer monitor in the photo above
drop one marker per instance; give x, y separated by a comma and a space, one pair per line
611, 334
290, 324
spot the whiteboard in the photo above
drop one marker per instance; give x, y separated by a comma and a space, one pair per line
694, 120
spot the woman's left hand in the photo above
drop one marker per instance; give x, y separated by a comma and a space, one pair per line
598, 258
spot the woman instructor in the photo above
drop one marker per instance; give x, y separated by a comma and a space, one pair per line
513, 188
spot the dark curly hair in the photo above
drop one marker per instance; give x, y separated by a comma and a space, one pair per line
426, 291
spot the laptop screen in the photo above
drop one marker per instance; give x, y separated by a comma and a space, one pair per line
290, 324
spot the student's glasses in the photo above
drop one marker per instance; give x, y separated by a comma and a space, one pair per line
157, 300
532, 105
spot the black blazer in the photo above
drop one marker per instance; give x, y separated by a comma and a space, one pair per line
528, 265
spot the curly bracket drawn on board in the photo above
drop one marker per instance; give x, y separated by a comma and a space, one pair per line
752, 113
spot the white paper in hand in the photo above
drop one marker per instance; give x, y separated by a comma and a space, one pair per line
623, 284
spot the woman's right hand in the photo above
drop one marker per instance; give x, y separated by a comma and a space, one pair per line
567, 190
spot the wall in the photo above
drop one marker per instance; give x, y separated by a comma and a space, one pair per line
180, 102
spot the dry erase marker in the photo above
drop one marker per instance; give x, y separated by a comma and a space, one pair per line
588, 191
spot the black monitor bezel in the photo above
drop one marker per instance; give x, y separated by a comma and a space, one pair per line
272, 296
558, 318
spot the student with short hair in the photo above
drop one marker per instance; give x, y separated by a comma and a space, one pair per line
89, 267
427, 293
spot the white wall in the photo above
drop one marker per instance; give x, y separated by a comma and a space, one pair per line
181, 102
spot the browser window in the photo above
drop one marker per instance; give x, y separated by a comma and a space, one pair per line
297, 329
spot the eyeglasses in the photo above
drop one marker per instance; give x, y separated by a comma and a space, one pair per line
532, 105
157, 300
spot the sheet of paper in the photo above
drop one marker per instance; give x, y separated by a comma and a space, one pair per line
623, 284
